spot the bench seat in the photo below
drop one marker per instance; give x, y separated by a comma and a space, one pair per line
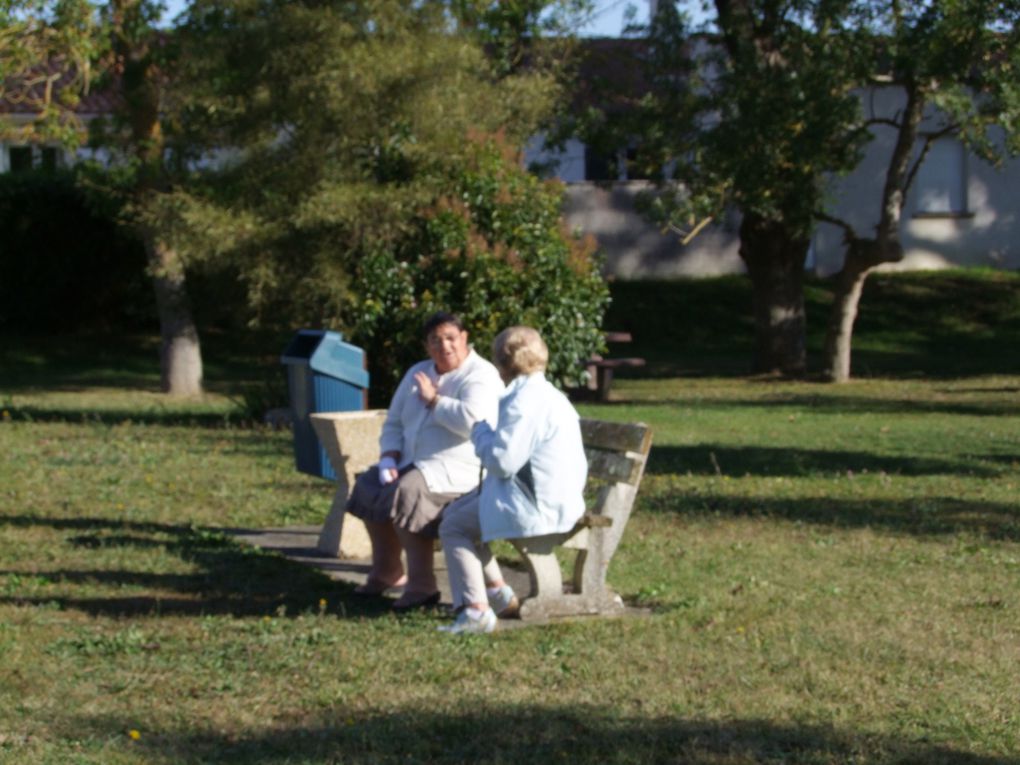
617, 453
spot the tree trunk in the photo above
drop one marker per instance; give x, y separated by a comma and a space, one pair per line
862, 256
774, 257
180, 353
134, 42
849, 285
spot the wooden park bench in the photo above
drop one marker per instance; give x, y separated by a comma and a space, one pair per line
616, 453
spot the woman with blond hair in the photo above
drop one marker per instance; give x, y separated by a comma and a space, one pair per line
536, 470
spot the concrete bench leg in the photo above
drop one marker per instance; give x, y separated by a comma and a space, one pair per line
547, 598
343, 535
351, 441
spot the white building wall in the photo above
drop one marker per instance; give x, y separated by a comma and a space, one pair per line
982, 233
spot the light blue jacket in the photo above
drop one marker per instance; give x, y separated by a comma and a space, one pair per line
537, 425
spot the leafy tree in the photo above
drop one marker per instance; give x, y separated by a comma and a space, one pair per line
350, 126
755, 118
493, 248
140, 62
761, 114
64, 47
46, 54
956, 66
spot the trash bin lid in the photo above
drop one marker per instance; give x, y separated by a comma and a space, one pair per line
301, 347
341, 360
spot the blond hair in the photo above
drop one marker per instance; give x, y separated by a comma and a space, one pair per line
520, 351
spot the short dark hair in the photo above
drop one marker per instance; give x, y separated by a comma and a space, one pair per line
438, 319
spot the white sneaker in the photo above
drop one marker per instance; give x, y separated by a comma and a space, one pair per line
466, 623
504, 602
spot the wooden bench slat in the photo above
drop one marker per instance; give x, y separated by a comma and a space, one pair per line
616, 436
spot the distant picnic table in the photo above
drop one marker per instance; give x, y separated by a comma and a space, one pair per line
600, 370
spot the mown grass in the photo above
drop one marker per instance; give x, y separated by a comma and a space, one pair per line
833, 575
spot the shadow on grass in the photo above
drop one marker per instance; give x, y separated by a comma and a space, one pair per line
168, 417
709, 459
1005, 405
534, 734
231, 578
921, 516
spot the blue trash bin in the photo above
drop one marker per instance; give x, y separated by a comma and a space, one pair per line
324, 374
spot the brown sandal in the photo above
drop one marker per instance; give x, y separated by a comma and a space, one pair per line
410, 601
377, 587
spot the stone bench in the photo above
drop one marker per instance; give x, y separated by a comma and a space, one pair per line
616, 452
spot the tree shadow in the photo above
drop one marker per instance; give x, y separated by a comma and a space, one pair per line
148, 416
921, 516
230, 578
838, 404
708, 459
580, 735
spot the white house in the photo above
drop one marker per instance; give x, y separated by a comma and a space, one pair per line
960, 211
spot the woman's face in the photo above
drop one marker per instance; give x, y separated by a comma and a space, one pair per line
447, 347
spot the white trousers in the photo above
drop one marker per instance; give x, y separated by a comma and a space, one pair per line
469, 563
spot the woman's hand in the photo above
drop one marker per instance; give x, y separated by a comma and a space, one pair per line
427, 391
481, 428
387, 470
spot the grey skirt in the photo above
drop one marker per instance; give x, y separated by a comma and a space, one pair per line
406, 502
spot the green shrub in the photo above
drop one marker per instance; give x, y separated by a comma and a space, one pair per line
64, 262
492, 248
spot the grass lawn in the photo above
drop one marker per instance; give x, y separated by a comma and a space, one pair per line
833, 573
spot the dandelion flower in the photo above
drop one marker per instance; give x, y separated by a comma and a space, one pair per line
134, 735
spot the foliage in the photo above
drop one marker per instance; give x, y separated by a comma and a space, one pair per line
349, 126
65, 263
493, 249
900, 334
761, 112
519, 34
47, 52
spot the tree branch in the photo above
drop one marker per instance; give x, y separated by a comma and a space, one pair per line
849, 235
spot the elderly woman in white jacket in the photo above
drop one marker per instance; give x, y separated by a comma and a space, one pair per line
536, 471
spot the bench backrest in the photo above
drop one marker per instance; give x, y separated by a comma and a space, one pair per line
616, 451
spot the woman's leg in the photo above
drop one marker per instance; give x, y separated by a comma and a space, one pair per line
470, 566
421, 575
387, 568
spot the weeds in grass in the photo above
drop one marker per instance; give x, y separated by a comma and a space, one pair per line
832, 575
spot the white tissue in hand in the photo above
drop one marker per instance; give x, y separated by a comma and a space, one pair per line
386, 464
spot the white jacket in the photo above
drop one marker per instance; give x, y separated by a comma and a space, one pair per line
437, 440
537, 424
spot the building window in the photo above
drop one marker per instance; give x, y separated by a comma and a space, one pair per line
940, 187
20, 158
598, 166
49, 158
